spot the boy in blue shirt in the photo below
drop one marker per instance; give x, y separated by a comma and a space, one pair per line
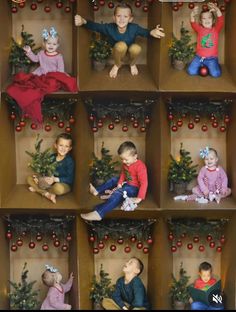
122, 34
62, 183
130, 293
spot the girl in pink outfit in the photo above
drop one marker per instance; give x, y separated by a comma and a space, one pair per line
212, 180
49, 59
56, 293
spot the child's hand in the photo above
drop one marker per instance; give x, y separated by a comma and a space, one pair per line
214, 8
136, 200
79, 20
68, 307
119, 185
157, 32
190, 300
27, 49
72, 275
194, 12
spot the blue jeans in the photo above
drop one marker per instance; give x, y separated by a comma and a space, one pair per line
116, 198
211, 63
197, 305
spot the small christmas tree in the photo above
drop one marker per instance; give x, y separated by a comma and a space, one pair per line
17, 57
23, 297
101, 288
182, 170
104, 168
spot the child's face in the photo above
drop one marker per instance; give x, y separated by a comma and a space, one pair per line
122, 17
211, 160
58, 277
207, 20
131, 266
63, 147
128, 158
51, 45
205, 275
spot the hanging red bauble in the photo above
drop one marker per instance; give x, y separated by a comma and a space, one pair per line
205, 7
39, 237
170, 236
143, 129
132, 118
92, 238
111, 5
95, 250
125, 128
135, 124
111, 126
120, 241
14, 247
190, 246
139, 245
101, 245
196, 239
14, 9
91, 117
226, 119
13, 116
101, 2
68, 237
45, 247
138, 3
222, 239
31, 245
223, 8
19, 242
48, 128
68, 129
227, 1
173, 248
174, 128
170, 116
113, 247
72, 120
190, 125
64, 247
197, 119
145, 8
18, 128
183, 235
175, 7
23, 234
203, 71
22, 123
127, 249
204, 128
222, 128
95, 7
61, 124
215, 124
133, 239
212, 244
21, 5
33, 126
117, 120
54, 235
212, 117
179, 243
145, 250
209, 238
56, 243
100, 123
95, 129
59, 4
106, 237
201, 248
9, 234
180, 123
67, 9
47, 9
149, 240
147, 120
54, 118
218, 248
39, 1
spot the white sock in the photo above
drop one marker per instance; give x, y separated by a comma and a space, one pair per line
181, 197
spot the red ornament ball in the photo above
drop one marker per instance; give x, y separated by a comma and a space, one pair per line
48, 128
204, 128
145, 250
227, 1
223, 8
101, 245
143, 129
95, 129
39, 237
56, 243
68, 237
61, 124
215, 124
226, 119
212, 244
111, 5
203, 71
190, 246
127, 249
170, 116
18, 128
45, 247
218, 248
59, 4
170, 236
147, 120
196, 239
14, 9
190, 125
113, 248
64, 248
180, 3
175, 7
138, 4
174, 128
139, 245
68, 129
95, 7
92, 238
9, 234
21, 5
47, 9
145, 8
106, 237
120, 241
100, 123
222, 239
191, 5
19, 242
125, 128
201, 248
14, 247
13, 116
180, 123
111, 126
33, 126
197, 119
133, 239
117, 120
54, 235
135, 124
179, 243
54, 118
101, 2
209, 238
222, 128
173, 248
91, 117
150, 240
72, 120
31, 245
22, 123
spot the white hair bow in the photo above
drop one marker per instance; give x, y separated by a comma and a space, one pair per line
51, 33
51, 268
204, 152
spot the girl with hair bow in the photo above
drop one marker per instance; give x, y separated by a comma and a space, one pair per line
49, 59
56, 293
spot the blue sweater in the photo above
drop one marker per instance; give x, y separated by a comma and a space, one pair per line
133, 293
65, 170
113, 34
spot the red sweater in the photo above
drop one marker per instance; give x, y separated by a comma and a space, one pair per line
208, 38
200, 284
136, 175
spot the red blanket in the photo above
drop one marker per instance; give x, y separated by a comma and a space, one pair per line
29, 90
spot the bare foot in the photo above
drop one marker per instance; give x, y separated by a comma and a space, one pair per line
35, 178
105, 196
114, 71
92, 190
51, 197
134, 70
91, 216
31, 189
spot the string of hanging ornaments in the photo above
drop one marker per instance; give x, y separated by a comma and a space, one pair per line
34, 5
124, 232
39, 230
177, 5
197, 234
135, 114
142, 4
56, 112
191, 111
